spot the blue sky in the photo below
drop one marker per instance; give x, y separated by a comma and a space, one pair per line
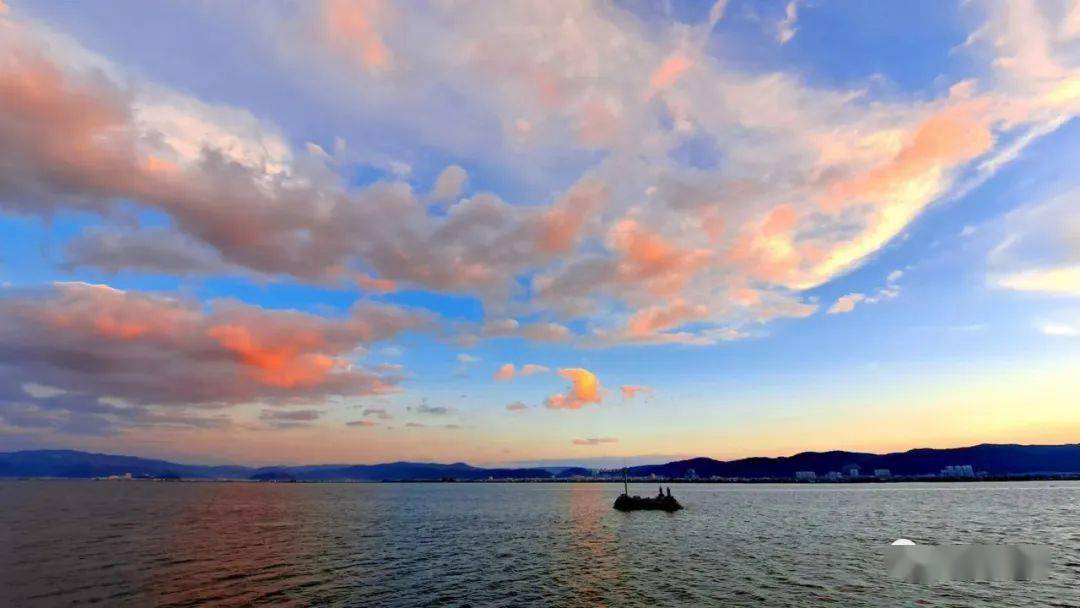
743, 228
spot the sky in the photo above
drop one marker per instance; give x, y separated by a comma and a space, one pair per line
520, 232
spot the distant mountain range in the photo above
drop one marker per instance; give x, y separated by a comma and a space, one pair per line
995, 459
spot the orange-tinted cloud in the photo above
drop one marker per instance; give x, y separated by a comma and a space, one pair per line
846, 303
594, 441
505, 372
285, 363
560, 226
584, 389
352, 27
650, 321
150, 349
369, 283
668, 72
766, 252
630, 391
648, 259
108, 313
943, 141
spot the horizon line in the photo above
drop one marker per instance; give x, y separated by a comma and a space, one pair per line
507, 465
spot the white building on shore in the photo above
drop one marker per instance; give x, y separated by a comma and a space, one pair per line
960, 471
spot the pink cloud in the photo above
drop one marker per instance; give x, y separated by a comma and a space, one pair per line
560, 226
369, 283
648, 259
944, 140
637, 231
151, 349
505, 372
669, 71
530, 369
352, 28
592, 441
630, 391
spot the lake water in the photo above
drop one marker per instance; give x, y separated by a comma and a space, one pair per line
238, 544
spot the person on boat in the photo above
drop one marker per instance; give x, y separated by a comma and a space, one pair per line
661, 489
669, 491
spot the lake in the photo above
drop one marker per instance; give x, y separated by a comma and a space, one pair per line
237, 544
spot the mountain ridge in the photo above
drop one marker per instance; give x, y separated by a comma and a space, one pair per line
995, 459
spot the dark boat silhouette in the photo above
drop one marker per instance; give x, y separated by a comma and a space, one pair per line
660, 502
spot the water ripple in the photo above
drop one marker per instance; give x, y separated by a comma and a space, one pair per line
238, 544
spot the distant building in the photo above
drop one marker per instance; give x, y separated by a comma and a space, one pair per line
691, 474
882, 473
960, 471
851, 470
833, 476
805, 476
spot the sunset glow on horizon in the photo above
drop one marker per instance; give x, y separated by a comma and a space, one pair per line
526, 232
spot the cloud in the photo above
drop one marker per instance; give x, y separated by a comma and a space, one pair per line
421, 425
716, 13
372, 284
512, 328
377, 412
630, 391
530, 369
1064, 281
353, 29
430, 410
846, 303
890, 290
148, 250
290, 415
594, 441
584, 390
362, 423
516, 406
40, 391
668, 72
1040, 252
467, 359
156, 351
629, 226
1055, 328
785, 29
449, 184
505, 372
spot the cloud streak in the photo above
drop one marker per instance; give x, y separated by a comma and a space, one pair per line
594, 441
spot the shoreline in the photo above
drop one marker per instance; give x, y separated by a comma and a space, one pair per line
754, 481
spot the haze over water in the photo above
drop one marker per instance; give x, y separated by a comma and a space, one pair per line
234, 544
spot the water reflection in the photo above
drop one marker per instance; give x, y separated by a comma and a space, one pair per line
593, 552
188, 544
241, 542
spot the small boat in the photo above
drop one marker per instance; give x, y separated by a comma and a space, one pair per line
660, 502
